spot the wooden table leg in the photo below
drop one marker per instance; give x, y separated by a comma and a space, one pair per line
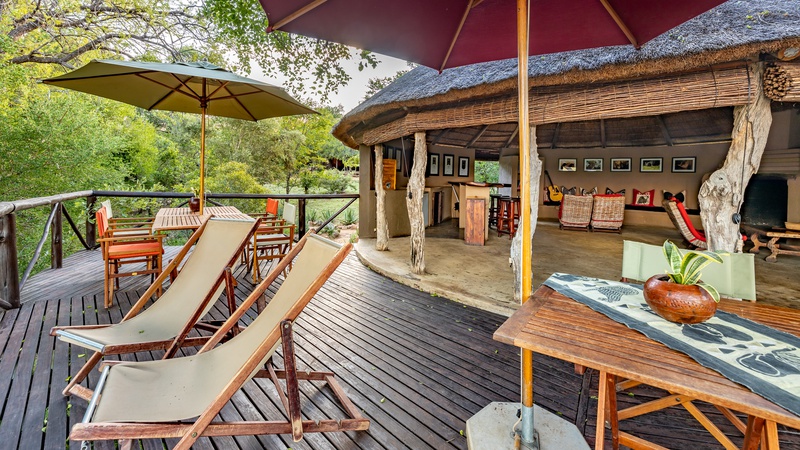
770, 436
752, 436
773, 245
607, 410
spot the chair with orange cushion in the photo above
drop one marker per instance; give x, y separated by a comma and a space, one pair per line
273, 240
119, 249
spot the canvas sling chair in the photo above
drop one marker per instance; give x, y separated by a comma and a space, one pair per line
735, 278
166, 324
157, 399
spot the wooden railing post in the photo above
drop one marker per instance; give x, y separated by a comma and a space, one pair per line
56, 239
9, 271
301, 219
90, 225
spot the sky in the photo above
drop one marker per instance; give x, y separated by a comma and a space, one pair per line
352, 95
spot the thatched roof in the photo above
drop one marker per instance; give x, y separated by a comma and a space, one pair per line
734, 31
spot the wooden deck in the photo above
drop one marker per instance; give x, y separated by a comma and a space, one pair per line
418, 366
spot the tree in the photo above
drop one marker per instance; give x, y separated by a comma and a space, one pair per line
67, 33
376, 84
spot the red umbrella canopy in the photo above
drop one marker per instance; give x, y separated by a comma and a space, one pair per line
452, 33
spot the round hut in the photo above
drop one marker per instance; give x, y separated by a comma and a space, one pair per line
710, 110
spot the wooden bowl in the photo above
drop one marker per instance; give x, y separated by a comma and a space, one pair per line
678, 302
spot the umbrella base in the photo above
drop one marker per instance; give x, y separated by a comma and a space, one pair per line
492, 426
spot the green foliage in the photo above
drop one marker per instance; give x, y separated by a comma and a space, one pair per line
487, 171
685, 268
349, 217
232, 177
309, 65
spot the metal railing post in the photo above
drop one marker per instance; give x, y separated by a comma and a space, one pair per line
91, 239
56, 239
9, 270
301, 219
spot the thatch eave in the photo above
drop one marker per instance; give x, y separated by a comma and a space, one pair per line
735, 31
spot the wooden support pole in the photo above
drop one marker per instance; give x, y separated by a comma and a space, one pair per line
91, 238
416, 189
382, 240
9, 270
721, 196
56, 238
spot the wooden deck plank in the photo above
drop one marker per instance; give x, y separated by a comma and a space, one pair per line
433, 363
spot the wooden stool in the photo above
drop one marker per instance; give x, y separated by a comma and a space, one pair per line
507, 216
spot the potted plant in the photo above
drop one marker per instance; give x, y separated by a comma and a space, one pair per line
680, 295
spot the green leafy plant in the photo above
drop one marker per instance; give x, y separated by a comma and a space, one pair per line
685, 268
349, 217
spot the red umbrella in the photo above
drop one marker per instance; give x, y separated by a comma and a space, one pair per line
451, 33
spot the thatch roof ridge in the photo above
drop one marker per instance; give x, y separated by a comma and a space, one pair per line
737, 29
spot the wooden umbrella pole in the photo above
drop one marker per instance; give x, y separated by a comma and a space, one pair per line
523, 21
203, 106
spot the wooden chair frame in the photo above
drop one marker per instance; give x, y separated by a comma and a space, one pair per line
189, 432
182, 338
111, 237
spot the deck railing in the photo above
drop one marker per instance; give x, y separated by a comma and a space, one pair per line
10, 282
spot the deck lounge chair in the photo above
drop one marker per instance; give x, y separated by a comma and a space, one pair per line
735, 278
166, 323
157, 399
680, 218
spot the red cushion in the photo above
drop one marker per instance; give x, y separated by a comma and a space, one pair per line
149, 248
699, 235
643, 198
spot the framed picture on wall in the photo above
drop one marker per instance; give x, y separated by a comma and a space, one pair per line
449, 165
463, 166
651, 164
567, 164
620, 164
592, 164
433, 165
684, 164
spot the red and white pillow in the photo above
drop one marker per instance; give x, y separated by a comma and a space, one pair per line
643, 198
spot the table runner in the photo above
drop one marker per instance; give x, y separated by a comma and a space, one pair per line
765, 360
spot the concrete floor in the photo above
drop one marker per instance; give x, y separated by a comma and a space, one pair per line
482, 276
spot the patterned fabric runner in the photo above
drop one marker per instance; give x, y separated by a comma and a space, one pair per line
765, 360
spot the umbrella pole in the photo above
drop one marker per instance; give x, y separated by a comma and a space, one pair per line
527, 433
203, 106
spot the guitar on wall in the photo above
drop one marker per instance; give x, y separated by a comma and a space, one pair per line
553, 192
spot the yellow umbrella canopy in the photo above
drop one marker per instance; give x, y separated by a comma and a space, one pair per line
197, 87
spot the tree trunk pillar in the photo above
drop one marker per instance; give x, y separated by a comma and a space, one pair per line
9, 269
721, 196
416, 188
382, 238
516, 243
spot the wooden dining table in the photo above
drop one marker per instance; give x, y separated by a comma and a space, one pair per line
168, 219
552, 324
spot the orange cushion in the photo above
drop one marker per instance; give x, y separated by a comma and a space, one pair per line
149, 248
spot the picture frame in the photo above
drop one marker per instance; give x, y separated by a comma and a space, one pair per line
463, 166
567, 164
592, 164
448, 168
651, 165
620, 164
684, 164
433, 165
